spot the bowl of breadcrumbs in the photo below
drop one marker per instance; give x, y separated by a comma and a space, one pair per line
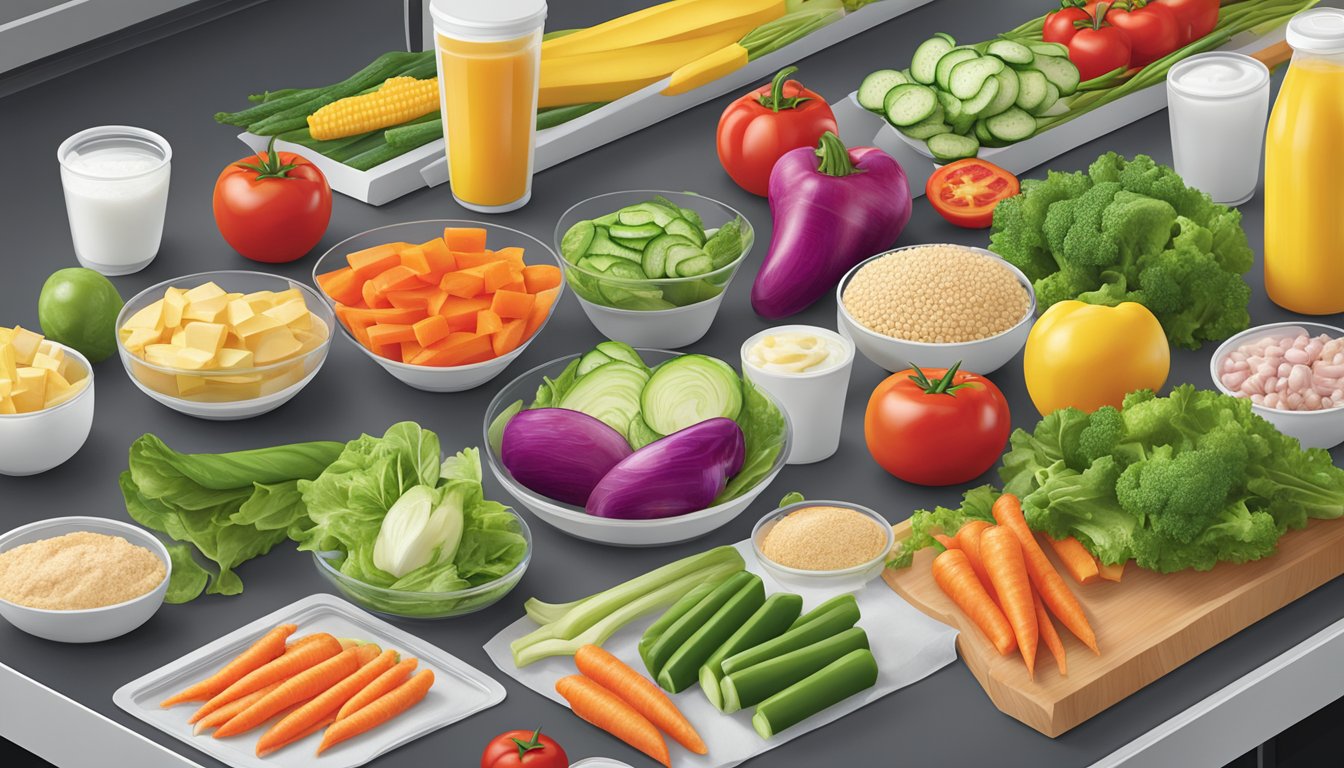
934, 306
831, 545
81, 579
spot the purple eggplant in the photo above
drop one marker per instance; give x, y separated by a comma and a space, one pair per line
683, 472
559, 453
832, 208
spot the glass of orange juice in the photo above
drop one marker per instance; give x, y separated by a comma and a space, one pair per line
489, 54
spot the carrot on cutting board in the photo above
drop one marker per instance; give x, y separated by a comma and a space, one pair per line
968, 541
1047, 581
308, 652
379, 711
607, 711
307, 718
640, 693
1110, 572
1007, 569
305, 685
1077, 560
953, 574
269, 647
227, 712
947, 541
1049, 635
383, 683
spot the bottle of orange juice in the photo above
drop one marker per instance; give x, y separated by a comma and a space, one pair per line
1304, 152
489, 55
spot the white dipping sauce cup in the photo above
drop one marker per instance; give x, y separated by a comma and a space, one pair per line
815, 400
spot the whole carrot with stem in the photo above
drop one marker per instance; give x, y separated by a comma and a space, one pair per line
607, 711
227, 712
1047, 581
968, 541
301, 721
379, 711
384, 683
1050, 636
640, 693
305, 685
270, 646
953, 574
1076, 559
307, 653
1008, 573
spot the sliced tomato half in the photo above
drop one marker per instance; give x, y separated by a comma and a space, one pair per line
966, 191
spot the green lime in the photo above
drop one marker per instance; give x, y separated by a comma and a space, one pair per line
78, 307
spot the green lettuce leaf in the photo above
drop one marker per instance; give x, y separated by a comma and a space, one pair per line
188, 579
763, 428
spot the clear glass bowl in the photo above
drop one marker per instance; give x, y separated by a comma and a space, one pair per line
573, 520
228, 394
839, 580
425, 605
451, 378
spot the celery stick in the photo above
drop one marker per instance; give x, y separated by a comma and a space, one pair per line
751, 686
854, 673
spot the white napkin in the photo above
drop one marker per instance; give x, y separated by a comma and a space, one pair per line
907, 644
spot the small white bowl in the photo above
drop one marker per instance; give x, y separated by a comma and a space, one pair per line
838, 581
980, 356
91, 625
1314, 429
36, 442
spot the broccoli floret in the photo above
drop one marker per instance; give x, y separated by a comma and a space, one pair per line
1068, 283
1103, 436
1238, 535
1193, 297
1176, 496
1019, 221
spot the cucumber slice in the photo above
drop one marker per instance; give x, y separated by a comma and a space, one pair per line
693, 217
968, 77
687, 230
591, 361
644, 213
696, 265
1047, 103
932, 126
1041, 48
605, 246
1007, 96
951, 59
678, 632
678, 253
654, 258
625, 270
1059, 71
952, 106
981, 101
873, 89
946, 147
1013, 125
909, 104
1031, 89
772, 620
682, 670
1011, 52
628, 295
639, 232
598, 263
851, 674
670, 616
640, 434
982, 133
576, 241
950, 39
751, 686
619, 350
607, 220
925, 60
814, 626
609, 394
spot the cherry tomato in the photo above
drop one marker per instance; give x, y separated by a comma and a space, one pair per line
272, 207
937, 426
1059, 26
758, 128
966, 191
1099, 49
523, 749
1196, 17
1153, 30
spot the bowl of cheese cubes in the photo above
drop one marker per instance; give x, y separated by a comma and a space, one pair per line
224, 345
46, 402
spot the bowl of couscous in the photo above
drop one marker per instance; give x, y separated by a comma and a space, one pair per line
934, 306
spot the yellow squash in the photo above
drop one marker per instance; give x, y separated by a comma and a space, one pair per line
1085, 356
609, 75
667, 22
706, 69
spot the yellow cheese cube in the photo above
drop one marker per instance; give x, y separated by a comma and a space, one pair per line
72, 370
205, 292
254, 327
75, 388
174, 302
6, 387
179, 337
57, 386
191, 359
207, 310
237, 311
51, 349
206, 337
46, 362
295, 314
190, 385
288, 295
30, 393
162, 355
9, 364
150, 317
25, 344
275, 346
260, 301
5, 335
231, 359
7, 406
139, 338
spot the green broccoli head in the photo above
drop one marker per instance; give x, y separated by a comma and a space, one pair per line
1018, 233
1193, 297
1103, 436
1177, 495
1235, 535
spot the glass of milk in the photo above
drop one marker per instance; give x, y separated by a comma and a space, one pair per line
116, 194
1218, 104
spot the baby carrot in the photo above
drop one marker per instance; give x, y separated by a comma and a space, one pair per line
380, 685
1049, 636
307, 653
640, 693
953, 573
607, 711
1008, 573
1047, 581
382, 709
269, 647
1077, 560
227, 712
968, 541
1111, 572
947, 541
300, 722
305, 685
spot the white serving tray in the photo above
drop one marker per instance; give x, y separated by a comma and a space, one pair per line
858, 126
426, 166
908, 647
459, 691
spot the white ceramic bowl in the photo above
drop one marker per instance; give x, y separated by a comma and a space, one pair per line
290, 376
838, 581
979, 356
1314, 429
668, 328
455, 378
36, 442
574, 521
91, 625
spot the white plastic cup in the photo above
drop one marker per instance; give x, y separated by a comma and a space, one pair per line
1218, 105
815, 400
115, 179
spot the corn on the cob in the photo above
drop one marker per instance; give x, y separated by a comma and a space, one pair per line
396, 101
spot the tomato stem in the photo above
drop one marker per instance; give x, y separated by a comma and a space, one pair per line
775, 98
527, 746
942, 386
270, 167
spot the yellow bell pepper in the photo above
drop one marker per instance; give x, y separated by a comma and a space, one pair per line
1085, 356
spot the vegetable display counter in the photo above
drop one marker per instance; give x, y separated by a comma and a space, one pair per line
56, 699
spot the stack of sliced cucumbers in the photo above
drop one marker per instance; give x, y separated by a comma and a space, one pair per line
651, 240
958, 98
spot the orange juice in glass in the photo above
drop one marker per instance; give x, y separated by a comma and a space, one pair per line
489, 54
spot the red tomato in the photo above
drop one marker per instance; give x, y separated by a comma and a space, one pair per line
1196, 17
1153, 30
1099, 49
936, 427
532, 749
272, 207
966, 191
1059, 26
758, 128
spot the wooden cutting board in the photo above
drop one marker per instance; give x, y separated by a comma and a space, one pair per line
1147, 625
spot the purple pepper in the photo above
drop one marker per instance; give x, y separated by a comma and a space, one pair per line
832, 208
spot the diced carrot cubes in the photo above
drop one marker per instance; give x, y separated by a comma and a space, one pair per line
430, 330
487, 321
398, 278
461, 313
541, 309
469, 259
462, 284
539, 277
509, 337
494, 274
512, 304
413, 297
457, 349
410, 350
464, 239
389, 315
371, 296
415, 259
438, 255
375, 260
390, 333
513, 255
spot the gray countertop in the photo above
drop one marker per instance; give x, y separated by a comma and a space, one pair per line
174, 85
